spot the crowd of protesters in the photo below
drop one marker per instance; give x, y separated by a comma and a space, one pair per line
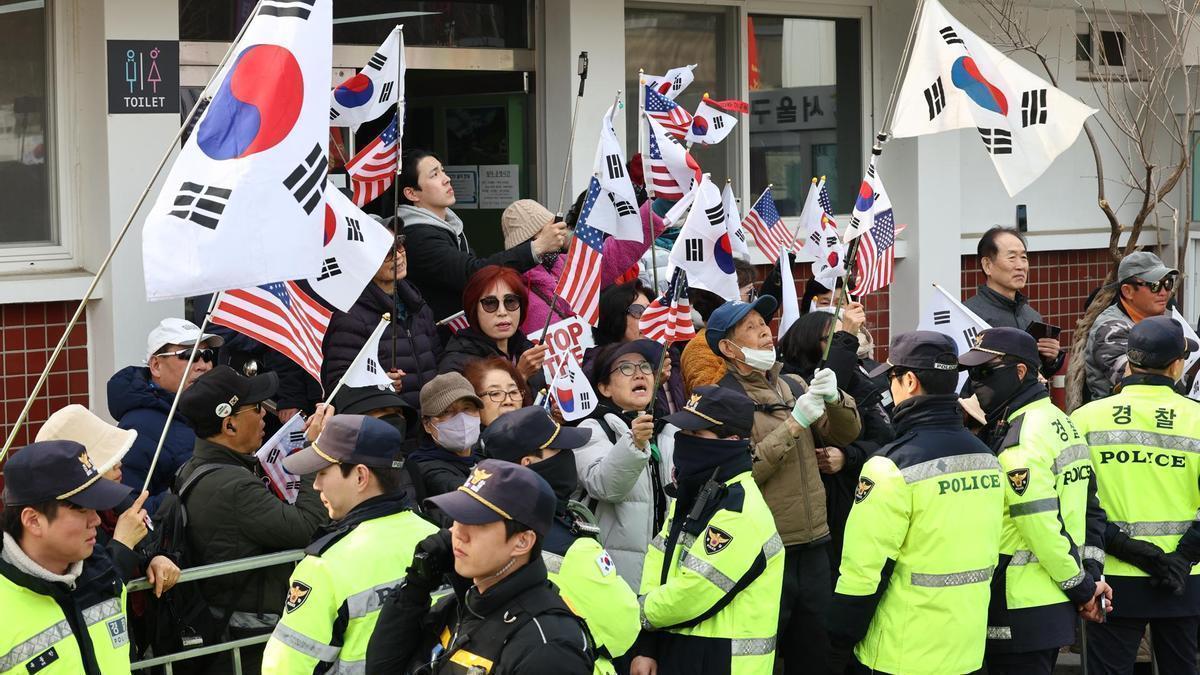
741, 503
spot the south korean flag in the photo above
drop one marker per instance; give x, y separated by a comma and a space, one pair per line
617, 212
355, 245
956, 80
703, 249
366, 369
375, 89
243, 204
572, 391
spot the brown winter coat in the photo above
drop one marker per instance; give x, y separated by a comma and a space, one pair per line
785, 468
699, 364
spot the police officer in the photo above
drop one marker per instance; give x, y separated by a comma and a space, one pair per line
583, 571
1040, 579
922, 536
505, 617
353, 563
63, 599
713, 576
1144, 447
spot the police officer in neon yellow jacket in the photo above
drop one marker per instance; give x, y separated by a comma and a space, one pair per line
713, 575
576, 563
1145, 447
62, 598
354, 562
922, 536
1040, 580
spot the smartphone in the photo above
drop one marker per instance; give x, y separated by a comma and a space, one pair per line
1041, 330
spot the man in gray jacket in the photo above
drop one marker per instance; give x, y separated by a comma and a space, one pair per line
1005, 262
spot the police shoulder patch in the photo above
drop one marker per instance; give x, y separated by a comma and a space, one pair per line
863, 489
1018, 480
605, 562
298, 592
716, 540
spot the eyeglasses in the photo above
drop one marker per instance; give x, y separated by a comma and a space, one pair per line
1167, 282
498, 396
981, 373
636, 310
491, 303
628, 369
256, 407
396, 249
206, 355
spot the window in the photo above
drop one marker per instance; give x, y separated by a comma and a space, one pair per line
658, 40
1102, 46
805, 108
26, 218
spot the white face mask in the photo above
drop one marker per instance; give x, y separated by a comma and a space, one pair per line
814, 307
459, 432
758, 359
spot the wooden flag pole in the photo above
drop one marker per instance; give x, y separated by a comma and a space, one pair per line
582, 71
201, 103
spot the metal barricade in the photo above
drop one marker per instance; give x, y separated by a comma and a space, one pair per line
208, 572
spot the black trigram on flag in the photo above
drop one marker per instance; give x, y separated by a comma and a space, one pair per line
693, 250
585, 400
942, 317
296, 437
935, 98
740, 234
299, 9
1033, 107
329, 268
830, 242
201, 204
615, 168
353, 230
372, 368
970, 334
334, 114
719, 122
677, 83
386, 91
306, 181
377, 60
815, 238
623, 207
715, 214
997, 141
950, 36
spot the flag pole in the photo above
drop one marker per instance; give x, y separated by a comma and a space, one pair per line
885, 132
662, 358
582, 72
212, 304
112, 250
646, 172
396, 195
383, 320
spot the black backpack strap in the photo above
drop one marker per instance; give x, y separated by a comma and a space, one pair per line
732, 383
200, 472
793, 383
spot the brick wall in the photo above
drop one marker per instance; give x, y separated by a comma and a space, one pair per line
28, 334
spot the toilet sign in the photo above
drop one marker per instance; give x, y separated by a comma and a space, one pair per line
570, 337
143, 76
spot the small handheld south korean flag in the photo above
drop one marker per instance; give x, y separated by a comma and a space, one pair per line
375, 89
366, 371
287, 440
948, 316
572, 391
673, 82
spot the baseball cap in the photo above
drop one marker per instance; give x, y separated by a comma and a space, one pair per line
442, 391
725, 317
216, 394
499, 490
176, 331
712, 407
59, 471
1001, 341
1157, 341
528, 431
106, 443
349, 439
1144, 265
606, 356
921, 350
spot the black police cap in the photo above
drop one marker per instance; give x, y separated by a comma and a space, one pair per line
728, 413
1002, 341
528, 431
920, 350
1157, 341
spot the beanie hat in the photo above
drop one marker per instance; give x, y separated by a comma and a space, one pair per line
522, 220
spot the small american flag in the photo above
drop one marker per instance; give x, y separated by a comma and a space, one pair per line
455, 322
876, 255
373, 169
669, 318
280, 315
672, 116
768, 229
580, 282
666, 183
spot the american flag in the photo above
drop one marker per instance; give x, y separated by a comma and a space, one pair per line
280, 315
768, 229
669, 318
876, 255
667, 182
374, 167
580, 282
455, 322
672, 116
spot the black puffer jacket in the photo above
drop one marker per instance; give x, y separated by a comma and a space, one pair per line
417, 347
469, 343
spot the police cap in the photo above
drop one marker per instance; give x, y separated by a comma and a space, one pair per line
728, 413
499, 490
1158, 341
1002, 341
528, 431
920, 350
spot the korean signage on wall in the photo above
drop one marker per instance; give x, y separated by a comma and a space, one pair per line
793, 109
143, 76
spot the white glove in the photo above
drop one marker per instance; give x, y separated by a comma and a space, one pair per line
824, 384
808, 409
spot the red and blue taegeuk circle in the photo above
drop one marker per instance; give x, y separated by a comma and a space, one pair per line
354, 92
723, 254
330, 224
866, 197
566, 399
966, 76
256, 106
699, 126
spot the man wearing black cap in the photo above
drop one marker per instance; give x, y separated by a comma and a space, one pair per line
714, 574
922, 536
1045, 572
505, 617
63, 600
1144, 449
355, 561
231, 512
584, 572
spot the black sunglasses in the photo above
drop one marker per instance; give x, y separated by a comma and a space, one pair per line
491, 303
1167, 282
636, 310
206, 355
398, 247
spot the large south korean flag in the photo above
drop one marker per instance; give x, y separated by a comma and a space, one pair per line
956, 80
243, 203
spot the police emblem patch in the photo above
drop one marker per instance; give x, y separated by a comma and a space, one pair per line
716, 540
1018, 479
118, 631
297, 594
863, 489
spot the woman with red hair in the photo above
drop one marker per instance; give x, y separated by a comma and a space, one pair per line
495, 300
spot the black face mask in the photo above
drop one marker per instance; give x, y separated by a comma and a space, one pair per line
996, 388
397, 421
559, 472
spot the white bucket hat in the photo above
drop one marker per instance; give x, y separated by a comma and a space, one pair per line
105, 443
